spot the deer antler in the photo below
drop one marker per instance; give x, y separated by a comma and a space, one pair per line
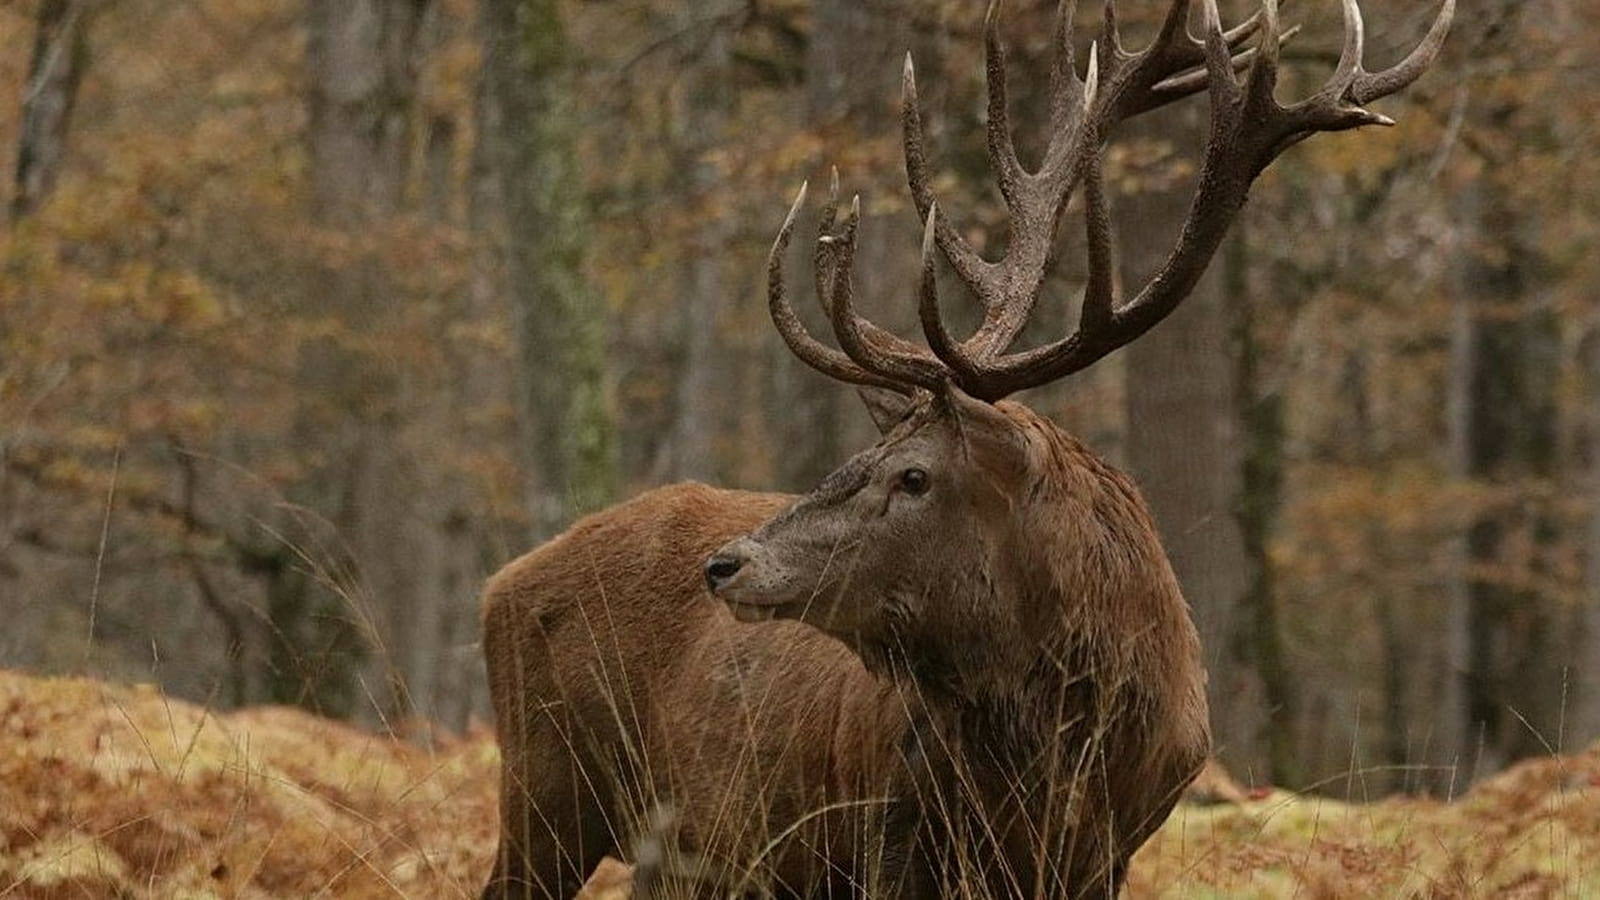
1248, 130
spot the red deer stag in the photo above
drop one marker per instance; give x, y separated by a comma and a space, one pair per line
983, 680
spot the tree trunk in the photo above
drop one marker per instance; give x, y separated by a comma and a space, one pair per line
1397, 647
1183, 448
1453, 750
561, 399
1515, 680
361, 63
361, 67
703, 387
1259, 412
1585, 728
439, 155
60, 57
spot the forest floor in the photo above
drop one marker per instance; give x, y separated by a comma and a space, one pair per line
116, 790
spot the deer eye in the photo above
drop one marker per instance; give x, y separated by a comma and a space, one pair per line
914, 481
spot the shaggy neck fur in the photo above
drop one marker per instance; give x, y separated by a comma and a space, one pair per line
1066, 670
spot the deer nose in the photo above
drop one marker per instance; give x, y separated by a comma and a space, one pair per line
720, 569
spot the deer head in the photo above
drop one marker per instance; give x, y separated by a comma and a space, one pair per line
914, 535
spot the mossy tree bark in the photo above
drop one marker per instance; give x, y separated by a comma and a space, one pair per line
562, 402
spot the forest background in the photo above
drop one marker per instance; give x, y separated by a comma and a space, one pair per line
314, 314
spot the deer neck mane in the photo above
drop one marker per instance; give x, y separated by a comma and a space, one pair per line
1004, 702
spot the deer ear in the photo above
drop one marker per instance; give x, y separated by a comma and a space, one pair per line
986, 430
975, 413
886, 407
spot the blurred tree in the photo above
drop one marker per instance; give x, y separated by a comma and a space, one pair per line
1586, 711
60, 56
706, 282
361, 63
562, 402
1514, 688
1258, 408
361, 67
1184, 436
1505, 392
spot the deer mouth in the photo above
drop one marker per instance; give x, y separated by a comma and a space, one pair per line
747, 611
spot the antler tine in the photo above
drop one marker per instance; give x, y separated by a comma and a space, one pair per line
1248, 130
1190, 83
1263, 78
818, 356
1192, 52
1370, 87
1224, 88
1110, 36
972, 268
1099, 296
1174, 65
933, 327
1009, 288
1338, 105
827, 264
823, 257
1064, 83
1002, 148
1355, 46
869, 346
1174, 25
881, 342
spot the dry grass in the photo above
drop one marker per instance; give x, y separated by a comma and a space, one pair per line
111, 790
1533, 831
